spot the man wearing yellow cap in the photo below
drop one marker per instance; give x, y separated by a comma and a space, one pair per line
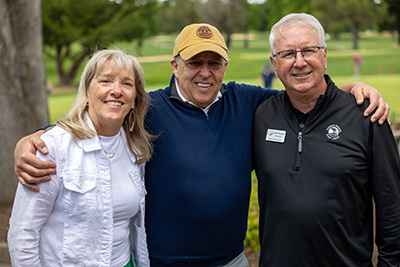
198, 179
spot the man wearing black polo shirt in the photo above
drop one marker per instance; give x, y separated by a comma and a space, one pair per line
320, 162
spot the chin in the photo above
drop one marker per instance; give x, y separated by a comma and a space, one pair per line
302, 86
202, 101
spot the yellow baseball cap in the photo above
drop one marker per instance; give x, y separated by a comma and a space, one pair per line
197, 38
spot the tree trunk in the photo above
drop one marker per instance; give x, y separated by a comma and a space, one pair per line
66, 78
355, 35
398, 33
336, 35
23, 99
228, 40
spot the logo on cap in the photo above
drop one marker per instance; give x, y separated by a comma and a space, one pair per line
204, 32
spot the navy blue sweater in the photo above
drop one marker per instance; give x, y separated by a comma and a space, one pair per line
198, 180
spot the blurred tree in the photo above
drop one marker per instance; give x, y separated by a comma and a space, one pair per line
74, 28
229, 16
328, 13
394, 9
386, 20
334, 15
23, 99
280, 8
170, 20
259, 16
357, 13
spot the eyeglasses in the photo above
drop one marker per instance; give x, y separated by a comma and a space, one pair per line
212, 64
305, 52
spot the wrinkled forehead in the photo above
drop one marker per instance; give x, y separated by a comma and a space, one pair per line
207, 55
287, 30
115, 66
109, 67
295, 34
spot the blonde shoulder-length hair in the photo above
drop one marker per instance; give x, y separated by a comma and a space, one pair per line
138, 139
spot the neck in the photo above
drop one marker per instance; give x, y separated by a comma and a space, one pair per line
303, 104
109, 130
108, 133
305, 101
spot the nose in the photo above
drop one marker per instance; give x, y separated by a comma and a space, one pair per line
205, 71
116, 88
299, 59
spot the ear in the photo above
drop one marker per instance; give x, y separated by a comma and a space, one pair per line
174, 66
273, 64
326, 57
225, 65
86, 97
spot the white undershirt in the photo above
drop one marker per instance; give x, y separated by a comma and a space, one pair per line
206, 109
124, 196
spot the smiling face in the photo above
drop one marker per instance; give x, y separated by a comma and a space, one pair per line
110, 97
300, 76
200, 77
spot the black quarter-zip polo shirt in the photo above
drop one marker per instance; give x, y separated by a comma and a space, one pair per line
317, 179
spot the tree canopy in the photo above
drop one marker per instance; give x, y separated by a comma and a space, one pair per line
72, 29
394, 10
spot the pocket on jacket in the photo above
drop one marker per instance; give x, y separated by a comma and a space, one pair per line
80, 194
79, 182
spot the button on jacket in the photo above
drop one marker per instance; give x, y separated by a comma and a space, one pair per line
70, 221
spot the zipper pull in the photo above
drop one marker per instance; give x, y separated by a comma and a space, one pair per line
299, 146
300, 142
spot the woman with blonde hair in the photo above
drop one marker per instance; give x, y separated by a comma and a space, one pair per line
91, 213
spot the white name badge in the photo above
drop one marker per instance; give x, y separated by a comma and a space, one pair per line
274, 135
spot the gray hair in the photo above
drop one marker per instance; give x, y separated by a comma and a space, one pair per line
296, 19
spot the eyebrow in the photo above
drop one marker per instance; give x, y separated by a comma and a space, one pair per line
111, 75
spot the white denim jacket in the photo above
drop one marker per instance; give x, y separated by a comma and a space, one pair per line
70, 221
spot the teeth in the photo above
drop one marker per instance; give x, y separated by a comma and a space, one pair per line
114, 103
301, 75
204, 84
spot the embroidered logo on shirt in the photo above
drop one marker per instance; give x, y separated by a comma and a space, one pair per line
333, 132
274, 135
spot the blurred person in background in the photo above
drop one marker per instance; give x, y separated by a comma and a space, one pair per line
357, 61
267, 75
